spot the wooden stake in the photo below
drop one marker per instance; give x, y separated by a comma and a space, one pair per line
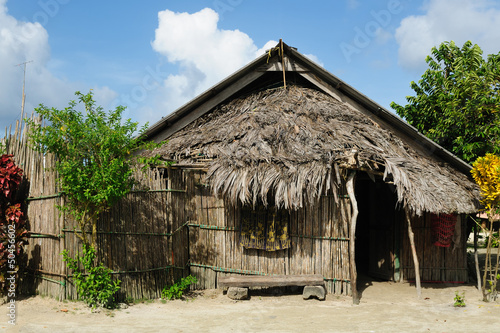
476, 259
24, 82
414, 254
352, 247
283, 62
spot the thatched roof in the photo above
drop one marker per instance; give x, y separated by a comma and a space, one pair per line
292, 142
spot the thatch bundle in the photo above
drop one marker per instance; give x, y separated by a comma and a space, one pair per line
292, 143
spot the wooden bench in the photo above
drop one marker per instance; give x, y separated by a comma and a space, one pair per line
313, 284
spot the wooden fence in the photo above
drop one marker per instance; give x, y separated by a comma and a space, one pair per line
143, 239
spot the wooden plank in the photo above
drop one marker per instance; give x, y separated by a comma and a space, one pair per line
328, 89
271, 280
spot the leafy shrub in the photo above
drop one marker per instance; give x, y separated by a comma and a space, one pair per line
12, 223
95, 284
95, 157
176, 290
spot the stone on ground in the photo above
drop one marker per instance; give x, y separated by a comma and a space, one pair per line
237, 293
314, 291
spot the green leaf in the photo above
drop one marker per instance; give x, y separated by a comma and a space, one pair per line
93, 150
457, 96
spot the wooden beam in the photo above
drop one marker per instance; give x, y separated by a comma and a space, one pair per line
276, 65
271, 280
283, 63
414, 253
352, 245
328, 89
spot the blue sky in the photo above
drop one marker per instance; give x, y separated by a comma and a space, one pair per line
153, 56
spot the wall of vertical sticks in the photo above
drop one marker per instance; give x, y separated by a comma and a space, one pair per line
171, 226
436, 264
143, 239
319, 235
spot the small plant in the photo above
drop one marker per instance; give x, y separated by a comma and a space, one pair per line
95, 287
459, 300
176, 290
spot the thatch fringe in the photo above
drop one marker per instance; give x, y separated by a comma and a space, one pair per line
288, 143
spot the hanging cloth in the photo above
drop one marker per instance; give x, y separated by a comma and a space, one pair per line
443, 228
264, 229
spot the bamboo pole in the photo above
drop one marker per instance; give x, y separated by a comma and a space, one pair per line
352, 248
414, 253
487, 261
476, 259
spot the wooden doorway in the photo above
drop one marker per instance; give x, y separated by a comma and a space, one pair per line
376, 236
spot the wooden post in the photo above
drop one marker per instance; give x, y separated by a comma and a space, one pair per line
283, 63
476, 259
352, 248
414, 254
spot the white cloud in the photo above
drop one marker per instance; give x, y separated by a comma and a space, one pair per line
445, 20
314, 59
204, 53
269, 45
27, 41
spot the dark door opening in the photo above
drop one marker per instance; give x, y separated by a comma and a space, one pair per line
375, 230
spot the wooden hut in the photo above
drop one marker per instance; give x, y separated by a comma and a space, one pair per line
289, 170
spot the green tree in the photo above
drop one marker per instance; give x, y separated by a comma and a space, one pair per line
94, 153
457, 101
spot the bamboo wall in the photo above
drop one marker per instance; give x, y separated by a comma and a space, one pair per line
319, 235
143, 239
437, 264
45, 273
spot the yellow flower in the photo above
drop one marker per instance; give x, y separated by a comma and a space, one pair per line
486, 173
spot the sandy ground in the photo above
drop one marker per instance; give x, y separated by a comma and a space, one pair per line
384, 307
